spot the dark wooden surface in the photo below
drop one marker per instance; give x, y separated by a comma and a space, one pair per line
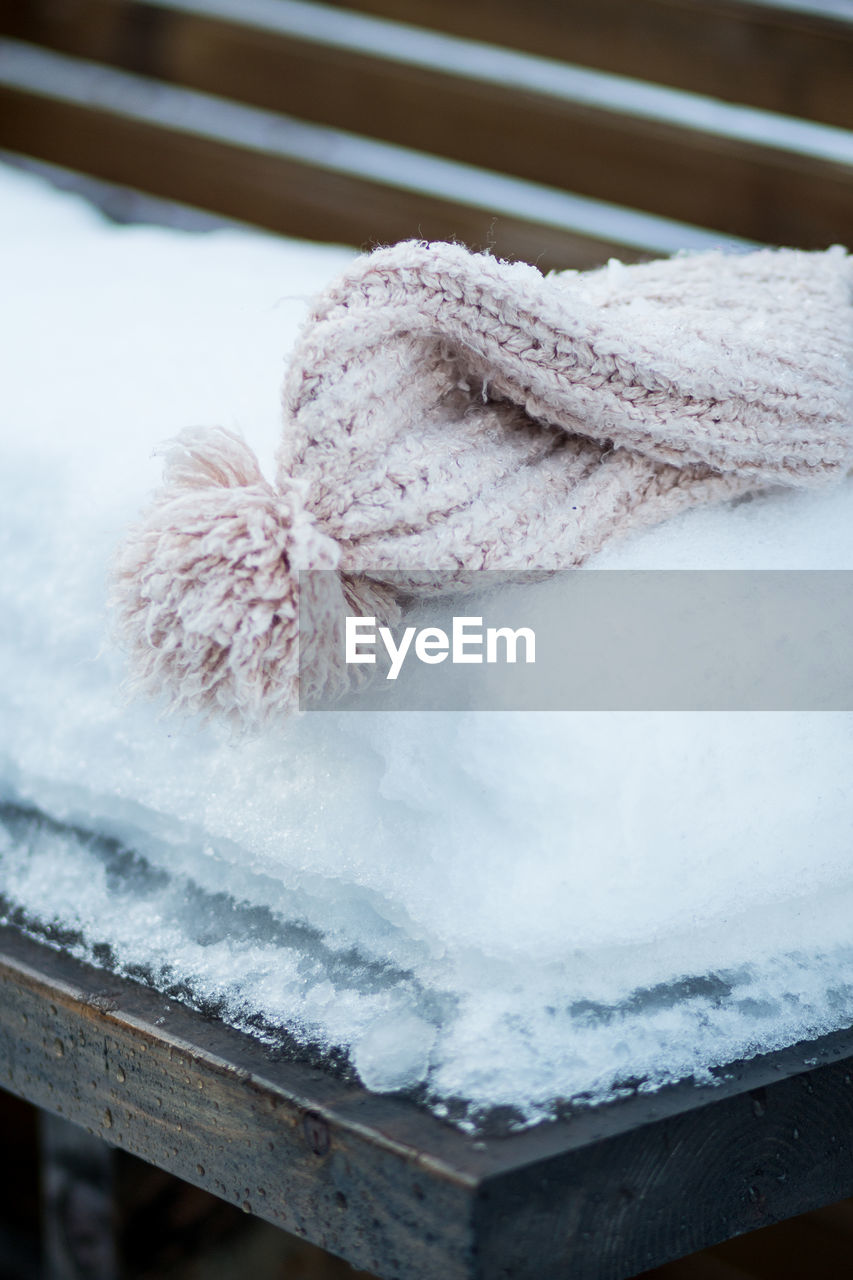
813, 1246
167, 1229
799, 63
160, 1227
737, 187
699, 176
287, 1142
601, 1195
272, 191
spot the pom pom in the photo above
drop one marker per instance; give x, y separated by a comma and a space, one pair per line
206, 588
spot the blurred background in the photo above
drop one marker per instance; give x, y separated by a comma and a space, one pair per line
561, 133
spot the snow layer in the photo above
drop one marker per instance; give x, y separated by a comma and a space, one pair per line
497, 909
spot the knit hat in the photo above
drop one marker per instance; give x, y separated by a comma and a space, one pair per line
445, 411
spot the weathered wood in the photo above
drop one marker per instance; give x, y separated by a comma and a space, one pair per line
813, 1246
598, 1196
271, 191
697, 176
680, 1182
795, 61
284, 1141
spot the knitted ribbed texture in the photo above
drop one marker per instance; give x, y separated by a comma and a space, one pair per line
444, 411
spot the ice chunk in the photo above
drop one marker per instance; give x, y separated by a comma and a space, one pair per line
394, 1052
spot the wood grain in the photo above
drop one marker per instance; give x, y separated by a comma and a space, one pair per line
736, 187
287, 1143
269, 191
600, 1195
798, 63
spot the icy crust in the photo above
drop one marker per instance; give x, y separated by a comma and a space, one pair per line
495, 910
468, 1036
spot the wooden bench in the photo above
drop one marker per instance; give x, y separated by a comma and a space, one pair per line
544, 147
336, 124
600, 1195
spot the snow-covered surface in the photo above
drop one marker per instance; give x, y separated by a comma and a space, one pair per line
506, 909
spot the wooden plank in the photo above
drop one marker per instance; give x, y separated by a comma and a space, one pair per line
284, 1141
270, 191
805, 1246
680, 1181
795, 61
598, 1196
697, 176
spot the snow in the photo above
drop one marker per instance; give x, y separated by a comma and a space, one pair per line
498, 909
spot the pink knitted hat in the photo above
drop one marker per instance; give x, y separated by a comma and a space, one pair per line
446, 411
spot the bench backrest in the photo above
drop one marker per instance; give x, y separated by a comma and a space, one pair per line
557, 132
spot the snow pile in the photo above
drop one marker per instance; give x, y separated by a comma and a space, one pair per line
497, 909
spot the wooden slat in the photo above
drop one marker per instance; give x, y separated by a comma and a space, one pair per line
601, 1195
285, 1142
801, 1249
797, 62
699, 177
269, 191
